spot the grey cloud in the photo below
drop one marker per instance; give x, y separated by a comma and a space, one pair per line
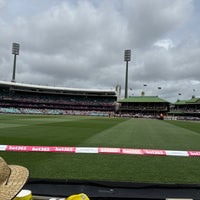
153, 19
81, 44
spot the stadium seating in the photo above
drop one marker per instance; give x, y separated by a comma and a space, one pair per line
34, 102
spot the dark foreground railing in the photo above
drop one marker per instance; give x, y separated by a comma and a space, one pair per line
46, 189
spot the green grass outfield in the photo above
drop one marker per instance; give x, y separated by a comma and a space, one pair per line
103, 132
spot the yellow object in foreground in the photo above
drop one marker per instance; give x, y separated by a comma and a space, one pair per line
80, 196
24, 195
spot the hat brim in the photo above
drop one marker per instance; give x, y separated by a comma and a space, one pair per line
15, 183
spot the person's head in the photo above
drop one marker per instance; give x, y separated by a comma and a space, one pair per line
12, 179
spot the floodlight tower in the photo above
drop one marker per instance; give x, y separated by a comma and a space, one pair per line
127, 58
15, 51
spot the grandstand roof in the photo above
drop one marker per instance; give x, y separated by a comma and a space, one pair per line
180, 102
51, 89
143, 99
191, 101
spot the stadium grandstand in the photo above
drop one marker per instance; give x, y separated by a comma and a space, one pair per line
36, 99
143, 106
20, 98
186, 109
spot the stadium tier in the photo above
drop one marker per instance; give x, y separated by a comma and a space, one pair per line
36, 99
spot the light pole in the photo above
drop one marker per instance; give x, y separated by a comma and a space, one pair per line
159, 88
127, 57
144, 91
15, 51
179, 94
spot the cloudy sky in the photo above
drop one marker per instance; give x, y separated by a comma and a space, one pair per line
81, 43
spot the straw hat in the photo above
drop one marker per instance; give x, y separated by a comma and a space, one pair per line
12, 179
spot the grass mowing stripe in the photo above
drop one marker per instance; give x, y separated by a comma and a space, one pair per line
3, 125
152, 134
189, 125
110, 137
67, 133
